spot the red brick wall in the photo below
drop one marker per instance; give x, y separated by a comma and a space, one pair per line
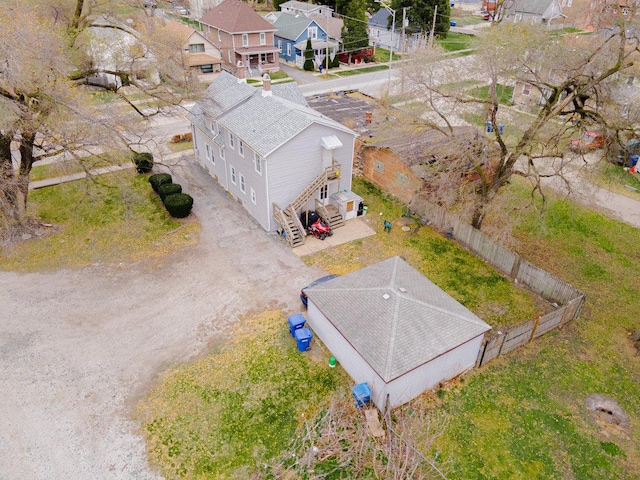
384, 169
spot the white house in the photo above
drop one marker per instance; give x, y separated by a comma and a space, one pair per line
391, 327
273, 153
536, 11
295, 7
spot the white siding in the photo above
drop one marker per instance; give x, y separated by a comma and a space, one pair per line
294, 165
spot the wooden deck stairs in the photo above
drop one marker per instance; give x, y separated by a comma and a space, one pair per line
288, 218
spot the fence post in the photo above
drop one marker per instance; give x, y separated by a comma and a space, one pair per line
515, 267
535, 327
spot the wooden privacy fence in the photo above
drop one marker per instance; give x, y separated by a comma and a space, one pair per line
566, 297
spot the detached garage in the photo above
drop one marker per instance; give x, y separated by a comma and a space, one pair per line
391, 327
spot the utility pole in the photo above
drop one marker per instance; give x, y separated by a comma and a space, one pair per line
433, 27
404, 23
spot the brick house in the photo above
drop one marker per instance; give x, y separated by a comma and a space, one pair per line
242, 36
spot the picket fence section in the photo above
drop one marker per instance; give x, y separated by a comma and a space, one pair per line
567, 299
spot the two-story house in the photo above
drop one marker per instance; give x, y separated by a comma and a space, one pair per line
295, 7
291, 39
199, 54
274, 154
242, 36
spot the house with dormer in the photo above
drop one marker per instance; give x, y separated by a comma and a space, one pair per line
291, 38
274, 154
198, 53
242, 36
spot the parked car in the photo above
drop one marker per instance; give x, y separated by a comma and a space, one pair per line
589, 141
303, 296
182, 11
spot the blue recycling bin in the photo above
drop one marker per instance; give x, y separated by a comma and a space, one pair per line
303, 338
489, 127
452, 24
362, 394
295, 322
501, 128
633, 159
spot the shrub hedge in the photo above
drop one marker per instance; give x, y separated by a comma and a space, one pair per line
178, 204
143, 162
159, 179
167, 189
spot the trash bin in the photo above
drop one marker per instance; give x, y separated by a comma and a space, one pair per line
295, 322
303, 338
633, 159
362, 394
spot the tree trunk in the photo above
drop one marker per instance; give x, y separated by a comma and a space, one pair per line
14, 186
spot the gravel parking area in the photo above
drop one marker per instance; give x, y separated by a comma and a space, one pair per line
78, 348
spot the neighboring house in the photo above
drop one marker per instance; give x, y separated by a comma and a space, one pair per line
200, 55
380, 31
294, 7
242, 36
112, 48
403, 165
273, 153
535, 11
291, 39
389, 326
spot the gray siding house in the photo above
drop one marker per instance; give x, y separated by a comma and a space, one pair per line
273, 153
389, 326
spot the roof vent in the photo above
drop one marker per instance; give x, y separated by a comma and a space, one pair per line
385, 296
402, 289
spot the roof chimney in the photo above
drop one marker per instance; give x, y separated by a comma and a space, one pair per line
266, 85
240, 72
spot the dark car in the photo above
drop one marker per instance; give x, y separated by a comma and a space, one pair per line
589, 141
303, 296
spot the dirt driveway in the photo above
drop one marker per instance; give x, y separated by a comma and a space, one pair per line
79, 347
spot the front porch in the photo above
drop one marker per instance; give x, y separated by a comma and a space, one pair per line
258, 63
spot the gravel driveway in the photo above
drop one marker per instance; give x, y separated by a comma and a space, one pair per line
78, 348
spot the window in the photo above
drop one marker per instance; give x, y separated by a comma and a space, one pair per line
257, 160
233, 174
232, 140
245, 39
401, 178
312, 33
207, 151
263, 38
242, 185
263, 58
196, 48
324, 192
213, 128
288, 49
229, 55
206, 68
222, 153
378, 166
626, 109
219, 37
241, 148
630, 79
526, 89
253, 196
280, 45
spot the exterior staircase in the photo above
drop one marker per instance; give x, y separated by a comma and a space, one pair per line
292, 228
330, 215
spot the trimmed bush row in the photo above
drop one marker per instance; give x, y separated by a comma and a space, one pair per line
178, 204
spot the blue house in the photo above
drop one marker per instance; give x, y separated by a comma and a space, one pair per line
292, 34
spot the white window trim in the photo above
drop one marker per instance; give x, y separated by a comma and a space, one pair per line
232, 141
241, 148
219, 36
245, 39
207, 150
232, 170
253, 197
288, 49
263, 38
257, 163
313, 33
243, 184
222, 153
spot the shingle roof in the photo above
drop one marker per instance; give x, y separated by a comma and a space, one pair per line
235, 16
416, 323
262, 123
537, 7
380, 19
302, 6
291, 26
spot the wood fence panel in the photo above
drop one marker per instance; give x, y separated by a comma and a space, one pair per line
491, 349
517, 336
545, 284
573, 309
549, 321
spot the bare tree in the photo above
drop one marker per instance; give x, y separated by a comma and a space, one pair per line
573, 76
49, 53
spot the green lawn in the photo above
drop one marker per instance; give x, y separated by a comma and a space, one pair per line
113, 219
358, 71
68, 167
226, 415
455, 41
504, 93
